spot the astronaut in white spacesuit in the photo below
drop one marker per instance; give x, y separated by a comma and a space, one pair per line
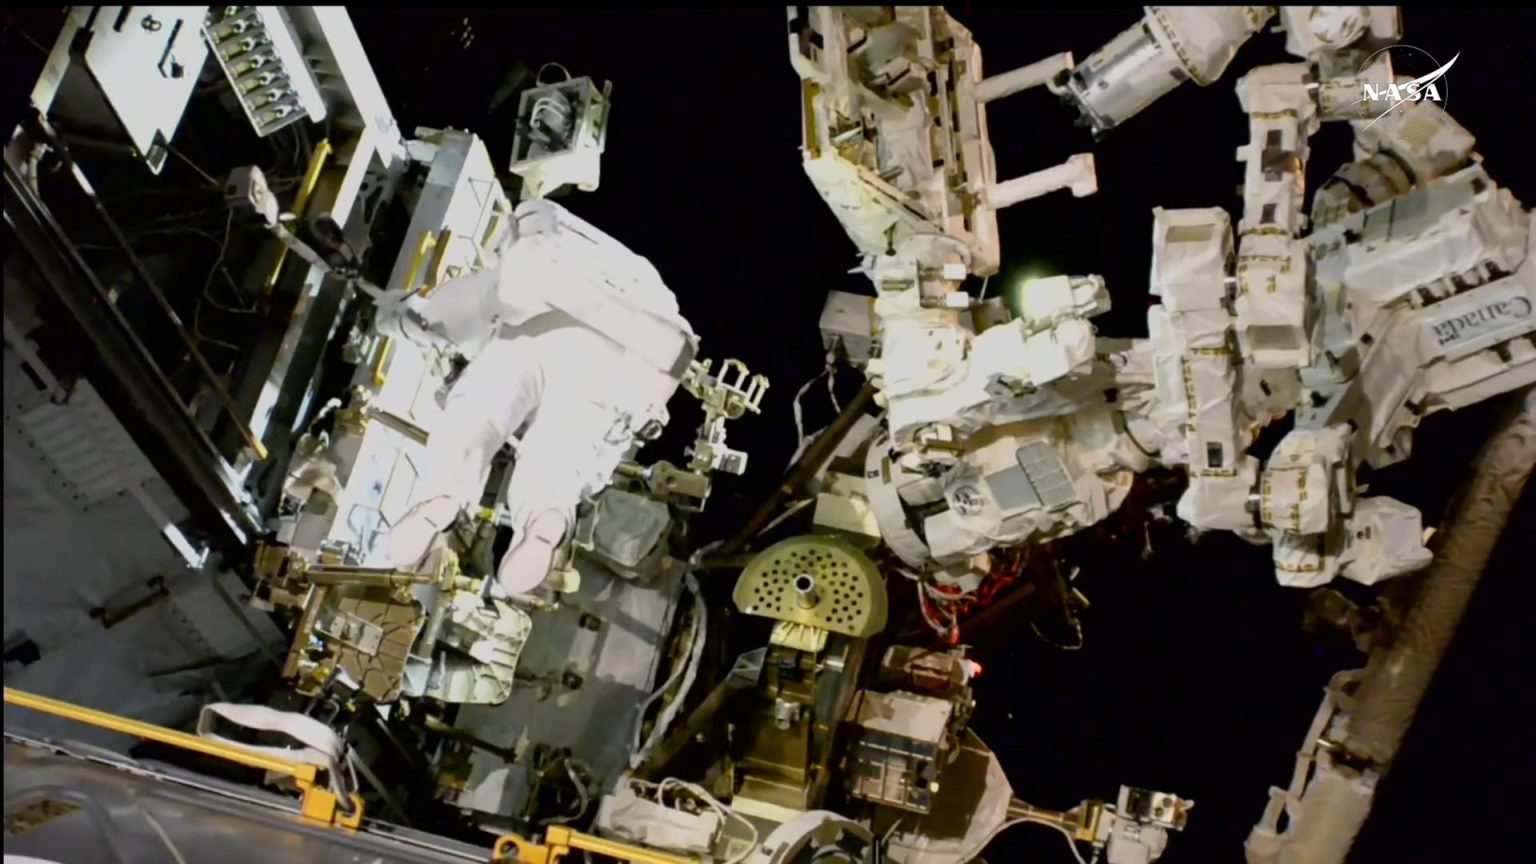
583, 346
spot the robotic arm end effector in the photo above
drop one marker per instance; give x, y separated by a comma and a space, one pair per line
1148, 60
1172, 44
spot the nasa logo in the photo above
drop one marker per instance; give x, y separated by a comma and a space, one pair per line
1432, 86
1479, 321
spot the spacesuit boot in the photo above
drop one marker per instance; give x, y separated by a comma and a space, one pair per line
526, 563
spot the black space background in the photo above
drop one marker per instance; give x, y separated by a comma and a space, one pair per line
1195, 677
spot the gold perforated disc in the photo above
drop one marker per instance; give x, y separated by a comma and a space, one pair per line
846, 594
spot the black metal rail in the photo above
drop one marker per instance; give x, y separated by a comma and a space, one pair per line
133, 386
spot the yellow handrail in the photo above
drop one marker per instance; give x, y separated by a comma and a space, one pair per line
439, 258
311, 178
148, 731
379, 363
560, 841
428, 240
318, 803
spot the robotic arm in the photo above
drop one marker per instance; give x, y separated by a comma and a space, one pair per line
1409, 289
1174, 44
1255, 322
1287, 328
895, 104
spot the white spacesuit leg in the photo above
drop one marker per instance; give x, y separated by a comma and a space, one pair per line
570, 450
544, 490
497, 393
